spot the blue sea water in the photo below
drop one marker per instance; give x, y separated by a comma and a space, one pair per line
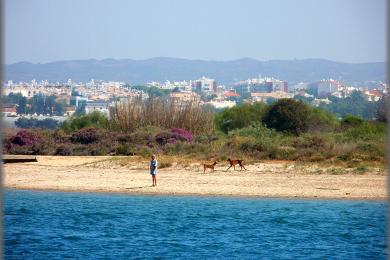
56, 225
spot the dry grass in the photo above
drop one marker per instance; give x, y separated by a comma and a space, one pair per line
163, 113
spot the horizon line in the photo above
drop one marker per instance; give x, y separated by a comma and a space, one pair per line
188, 59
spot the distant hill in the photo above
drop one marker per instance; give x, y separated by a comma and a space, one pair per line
225, 72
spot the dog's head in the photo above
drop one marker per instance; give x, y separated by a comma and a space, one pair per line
229, 160
215, 162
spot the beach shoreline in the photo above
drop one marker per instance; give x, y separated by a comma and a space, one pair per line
287, 180
195, 195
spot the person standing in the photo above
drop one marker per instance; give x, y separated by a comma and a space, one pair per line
153, 170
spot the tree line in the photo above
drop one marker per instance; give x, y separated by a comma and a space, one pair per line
38, 104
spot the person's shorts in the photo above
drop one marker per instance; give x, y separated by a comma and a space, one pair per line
153, 173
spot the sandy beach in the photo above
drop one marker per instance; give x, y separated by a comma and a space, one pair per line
128, 175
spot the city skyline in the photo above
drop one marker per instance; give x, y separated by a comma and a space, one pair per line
344, 31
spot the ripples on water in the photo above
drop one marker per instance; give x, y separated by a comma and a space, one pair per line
50, 225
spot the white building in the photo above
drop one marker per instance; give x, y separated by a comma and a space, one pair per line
263, 97
326, 87
100, 106
220, 103
260, 85
205, 85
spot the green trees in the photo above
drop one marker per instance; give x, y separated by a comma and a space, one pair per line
22, 106
284, 115
239, 116
353, 105
351, 121
39, 104
47, 123
288, 115
17, 99
95, 119
152, 91
322, 120
381, 110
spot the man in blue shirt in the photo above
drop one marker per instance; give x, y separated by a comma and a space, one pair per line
153, 170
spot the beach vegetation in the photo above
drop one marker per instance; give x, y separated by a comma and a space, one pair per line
288, 115
162, 113
189, 131
47, 123
92, 120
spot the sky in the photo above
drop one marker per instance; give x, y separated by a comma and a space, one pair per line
42, 31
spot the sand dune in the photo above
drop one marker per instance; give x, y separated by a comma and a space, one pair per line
265, 179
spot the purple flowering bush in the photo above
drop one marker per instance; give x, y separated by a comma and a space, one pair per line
174, 135
24, 142
25, 138
85, 136
182, 134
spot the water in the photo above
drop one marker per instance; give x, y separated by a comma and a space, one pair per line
55, 225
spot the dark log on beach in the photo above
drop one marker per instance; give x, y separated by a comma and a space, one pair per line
19, 158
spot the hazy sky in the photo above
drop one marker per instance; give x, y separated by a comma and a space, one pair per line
50, 30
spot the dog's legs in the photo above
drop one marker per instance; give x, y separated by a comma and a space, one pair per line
229, 167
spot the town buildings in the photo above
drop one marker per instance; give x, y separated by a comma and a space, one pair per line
97, 95
260, 85
204, 85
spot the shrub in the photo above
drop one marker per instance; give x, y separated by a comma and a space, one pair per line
85, 136
63, 150
361, 169
310, 141
92, 120
206, 139
138, 137
256, 130
98, 150
16, 149
286, 153
239, 116
164, 138
60, 136
366, 131
125, 149
288, 115
48, 123
173, 136
351, 121
321, 120
26, 138
182, 134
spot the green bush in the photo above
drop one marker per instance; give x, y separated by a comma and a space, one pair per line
351, 121
322, 121
256, 130
239, 116
92, 120
124, 149
366, 131
288, 115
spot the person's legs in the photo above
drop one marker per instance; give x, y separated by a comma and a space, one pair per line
154, 180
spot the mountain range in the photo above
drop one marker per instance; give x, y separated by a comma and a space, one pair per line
174, 69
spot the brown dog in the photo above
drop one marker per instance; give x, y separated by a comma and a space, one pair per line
211, 166
234, 163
